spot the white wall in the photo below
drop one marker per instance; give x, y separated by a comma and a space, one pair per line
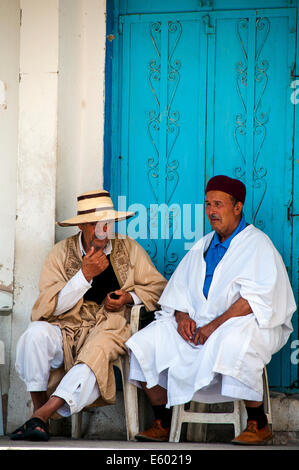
36, 168
80, 104
9, 85
59, 136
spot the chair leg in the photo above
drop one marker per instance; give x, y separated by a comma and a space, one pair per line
77, 425
266, 397
176, 423
130, 401
243, 416
197, 432
237, 417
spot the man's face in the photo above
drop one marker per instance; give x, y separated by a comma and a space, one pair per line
223, 216
95, 234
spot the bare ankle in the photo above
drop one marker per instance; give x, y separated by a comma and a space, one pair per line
49, 408
38, 399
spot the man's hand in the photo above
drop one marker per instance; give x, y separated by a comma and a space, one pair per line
204, 332
186, 326
239, 308
187, 329
94, 263
113, 305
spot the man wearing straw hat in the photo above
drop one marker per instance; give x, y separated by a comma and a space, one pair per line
80, 318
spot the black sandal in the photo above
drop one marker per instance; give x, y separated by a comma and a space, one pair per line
18, 434
33, 434
29, 432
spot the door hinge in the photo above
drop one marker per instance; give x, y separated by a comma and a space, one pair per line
290, 211
208, 28
120, 24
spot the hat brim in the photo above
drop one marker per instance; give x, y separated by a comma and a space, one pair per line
104, 216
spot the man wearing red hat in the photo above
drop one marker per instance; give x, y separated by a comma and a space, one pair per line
225, 311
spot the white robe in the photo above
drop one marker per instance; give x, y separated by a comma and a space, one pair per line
240, 348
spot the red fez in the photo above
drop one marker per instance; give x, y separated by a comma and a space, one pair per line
228, 185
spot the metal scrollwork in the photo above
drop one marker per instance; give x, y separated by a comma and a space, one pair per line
173, 130
241, 84
172, 117
260, 116
154, 114
153, 128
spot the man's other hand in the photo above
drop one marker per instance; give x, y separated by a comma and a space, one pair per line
186, 326
113, 305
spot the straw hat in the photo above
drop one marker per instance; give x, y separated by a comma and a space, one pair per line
95, 206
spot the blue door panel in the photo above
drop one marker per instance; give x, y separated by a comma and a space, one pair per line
204, 93
250, 124
163, 126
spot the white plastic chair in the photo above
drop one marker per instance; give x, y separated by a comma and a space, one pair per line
129, 390
198, 414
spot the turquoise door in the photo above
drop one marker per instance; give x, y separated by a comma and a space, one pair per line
163, 123
199, 94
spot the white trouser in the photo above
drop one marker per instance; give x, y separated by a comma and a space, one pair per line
223, 388
39, 350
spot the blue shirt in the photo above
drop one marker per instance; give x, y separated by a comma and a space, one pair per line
215, 254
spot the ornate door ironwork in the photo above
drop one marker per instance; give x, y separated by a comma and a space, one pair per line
201, 94
163, 127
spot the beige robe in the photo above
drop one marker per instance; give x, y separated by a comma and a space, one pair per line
92, 335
